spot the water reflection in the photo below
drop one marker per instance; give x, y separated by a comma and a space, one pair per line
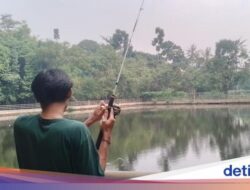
7, 148
166, 139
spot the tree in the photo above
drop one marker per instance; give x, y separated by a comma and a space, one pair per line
167, 49
207, 55
93, 67
229, 57
56, 34
7, 23
195, 57
158, 40
119, 41
89, 46
172, 52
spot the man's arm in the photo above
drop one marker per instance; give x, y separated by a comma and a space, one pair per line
107, 126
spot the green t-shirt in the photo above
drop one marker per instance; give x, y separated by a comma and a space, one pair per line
60, 145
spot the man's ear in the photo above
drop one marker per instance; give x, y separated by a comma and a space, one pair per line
69, 95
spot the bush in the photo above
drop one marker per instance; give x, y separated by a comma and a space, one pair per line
162, 95
212, 95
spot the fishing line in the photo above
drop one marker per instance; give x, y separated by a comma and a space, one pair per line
128, 46
117, 109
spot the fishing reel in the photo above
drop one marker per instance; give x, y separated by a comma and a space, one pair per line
116, 109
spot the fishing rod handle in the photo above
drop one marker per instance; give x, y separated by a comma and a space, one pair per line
110, 104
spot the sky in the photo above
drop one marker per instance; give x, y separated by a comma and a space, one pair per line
185, 22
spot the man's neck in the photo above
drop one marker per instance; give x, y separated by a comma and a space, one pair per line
53, 111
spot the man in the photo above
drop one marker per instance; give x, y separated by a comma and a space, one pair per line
50, 142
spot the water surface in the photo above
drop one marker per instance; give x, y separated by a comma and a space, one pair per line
165, 139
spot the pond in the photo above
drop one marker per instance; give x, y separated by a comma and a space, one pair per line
165, 139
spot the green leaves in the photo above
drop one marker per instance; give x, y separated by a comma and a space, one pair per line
119, 41
16, 47
167, 50
229, 58
93, 67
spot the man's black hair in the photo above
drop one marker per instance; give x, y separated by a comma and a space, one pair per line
51, 86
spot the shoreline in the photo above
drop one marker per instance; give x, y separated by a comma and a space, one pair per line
7, 115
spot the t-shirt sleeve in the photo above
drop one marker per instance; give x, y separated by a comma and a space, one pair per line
85, 158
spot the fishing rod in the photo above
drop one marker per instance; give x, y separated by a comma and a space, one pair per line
116, 108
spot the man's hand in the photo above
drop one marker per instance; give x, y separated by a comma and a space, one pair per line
107, 124
96, 115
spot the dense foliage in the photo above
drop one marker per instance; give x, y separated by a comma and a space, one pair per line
93, 67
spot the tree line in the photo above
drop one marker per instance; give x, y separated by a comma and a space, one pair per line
93, 67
